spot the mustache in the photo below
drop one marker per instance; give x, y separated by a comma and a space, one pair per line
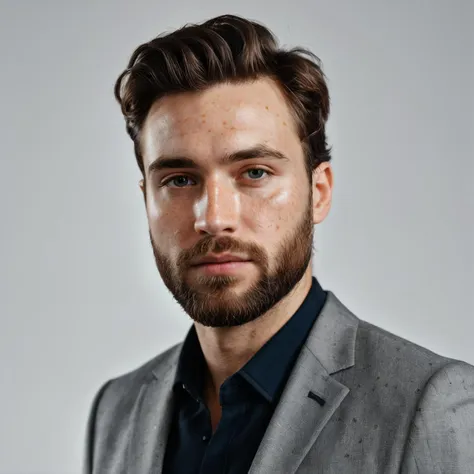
218, 245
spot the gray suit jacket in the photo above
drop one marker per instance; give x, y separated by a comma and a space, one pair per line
390, 407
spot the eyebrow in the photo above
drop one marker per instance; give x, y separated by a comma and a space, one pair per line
259, 151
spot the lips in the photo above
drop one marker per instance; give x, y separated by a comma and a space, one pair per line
222, 267
211, 259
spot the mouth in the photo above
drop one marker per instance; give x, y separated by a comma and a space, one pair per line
220, 258
227, 267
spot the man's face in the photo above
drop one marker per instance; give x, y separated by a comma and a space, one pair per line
257, 205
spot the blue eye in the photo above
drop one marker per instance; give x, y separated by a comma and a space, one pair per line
182, 180
257, 170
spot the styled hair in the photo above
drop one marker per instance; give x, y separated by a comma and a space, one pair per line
226, 49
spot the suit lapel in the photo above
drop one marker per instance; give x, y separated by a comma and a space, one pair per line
152, 419
311, 395
298, 419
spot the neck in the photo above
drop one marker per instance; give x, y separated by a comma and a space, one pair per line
226, 350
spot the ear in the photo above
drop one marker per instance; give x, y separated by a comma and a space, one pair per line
142, 185
322, 191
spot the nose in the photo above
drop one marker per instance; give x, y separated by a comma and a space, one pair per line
218, 209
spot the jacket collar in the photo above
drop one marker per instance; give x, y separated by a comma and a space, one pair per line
267, 371
307, 403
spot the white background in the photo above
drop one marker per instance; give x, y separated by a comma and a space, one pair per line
80, 298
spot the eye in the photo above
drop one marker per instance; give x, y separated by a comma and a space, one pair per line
256, 173
182, 180
179, 180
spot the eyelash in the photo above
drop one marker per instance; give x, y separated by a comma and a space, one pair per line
169, 180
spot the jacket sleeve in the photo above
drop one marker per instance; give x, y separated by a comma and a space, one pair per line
88, 460
441, 437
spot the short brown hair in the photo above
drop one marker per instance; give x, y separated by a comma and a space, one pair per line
231, 49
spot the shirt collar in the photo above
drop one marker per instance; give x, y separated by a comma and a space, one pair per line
268, 370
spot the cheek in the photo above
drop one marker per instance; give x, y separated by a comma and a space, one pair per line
162, 213
170, 233
277, 214
285, 205
281, 199
159, 221
154, 209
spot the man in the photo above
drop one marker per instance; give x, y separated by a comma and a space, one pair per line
276, 375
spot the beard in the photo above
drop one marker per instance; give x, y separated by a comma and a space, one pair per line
210, 300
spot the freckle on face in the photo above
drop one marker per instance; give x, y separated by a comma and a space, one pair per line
251, 122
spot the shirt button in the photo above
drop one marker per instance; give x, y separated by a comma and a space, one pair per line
204, 438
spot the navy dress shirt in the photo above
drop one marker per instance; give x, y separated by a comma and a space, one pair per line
248, 399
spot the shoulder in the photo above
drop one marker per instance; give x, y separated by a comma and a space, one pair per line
376, 349
124, 388
409, 363
441, 434
384, 345
407, 367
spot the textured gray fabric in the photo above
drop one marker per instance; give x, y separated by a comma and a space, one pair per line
390, 407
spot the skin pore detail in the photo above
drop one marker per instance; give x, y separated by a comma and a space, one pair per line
224, 174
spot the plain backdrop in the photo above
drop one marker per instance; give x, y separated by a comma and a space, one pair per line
81, 300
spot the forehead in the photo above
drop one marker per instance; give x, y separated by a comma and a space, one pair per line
219, 120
